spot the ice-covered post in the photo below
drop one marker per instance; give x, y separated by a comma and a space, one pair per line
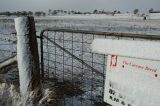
27, 54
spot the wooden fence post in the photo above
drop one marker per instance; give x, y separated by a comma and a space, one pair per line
27, 54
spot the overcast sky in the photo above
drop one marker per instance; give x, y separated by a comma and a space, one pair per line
82, 5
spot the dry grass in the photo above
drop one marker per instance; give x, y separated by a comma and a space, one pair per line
10, 96
50, 96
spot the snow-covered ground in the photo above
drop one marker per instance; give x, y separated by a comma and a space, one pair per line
122, 23
119, 23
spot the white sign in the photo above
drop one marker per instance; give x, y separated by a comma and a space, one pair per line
132, 82
130, 48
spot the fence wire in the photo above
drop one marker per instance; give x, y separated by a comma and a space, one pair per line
66, 56
8, 43
68, 63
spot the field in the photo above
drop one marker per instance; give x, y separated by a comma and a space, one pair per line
100, 23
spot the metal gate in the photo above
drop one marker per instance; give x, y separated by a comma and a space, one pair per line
68, 63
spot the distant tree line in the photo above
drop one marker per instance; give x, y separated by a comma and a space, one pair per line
63, 12
58, 12
23, 13
136, 11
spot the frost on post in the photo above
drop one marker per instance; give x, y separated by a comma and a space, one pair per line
27, 54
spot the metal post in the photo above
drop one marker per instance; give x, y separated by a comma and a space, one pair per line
41, 46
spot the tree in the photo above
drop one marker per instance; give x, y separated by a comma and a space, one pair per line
61, 11
49, 12
95, 11
69, 12
30, 13
24, 13
135, 11
55, 12
151, 10
65, 12
73, 12
40, 13
7, 13
119, 12
114, 12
